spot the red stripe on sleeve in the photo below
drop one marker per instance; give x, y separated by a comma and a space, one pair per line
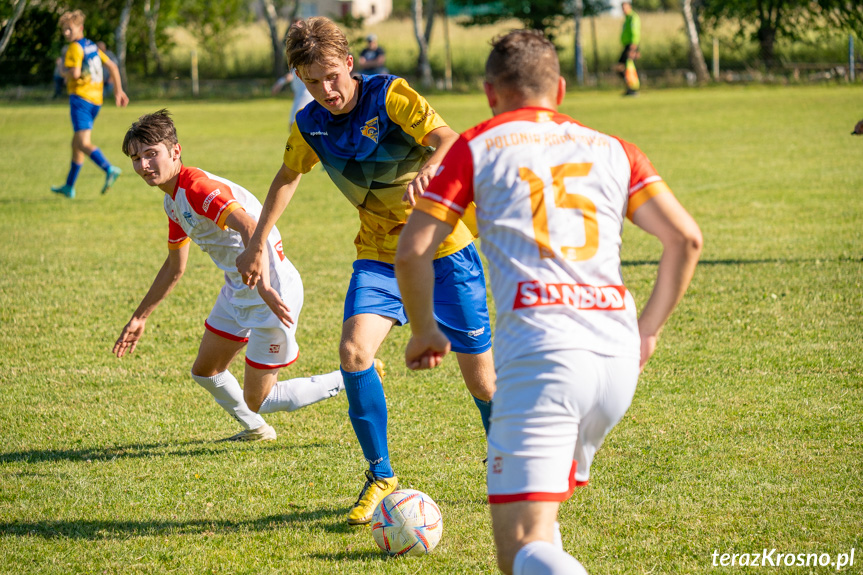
453, 184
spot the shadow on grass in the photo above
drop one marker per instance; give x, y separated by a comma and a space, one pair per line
736, 262
328, 519
137, 450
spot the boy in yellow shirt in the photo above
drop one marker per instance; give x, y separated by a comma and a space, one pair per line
84, 74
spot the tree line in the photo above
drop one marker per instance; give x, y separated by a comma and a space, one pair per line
136, 29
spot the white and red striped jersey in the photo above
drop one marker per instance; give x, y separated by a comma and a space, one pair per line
198, 209
551, 196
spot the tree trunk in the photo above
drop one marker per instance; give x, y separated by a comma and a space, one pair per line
120, 38
151, 14
579, 53
429, 21
271, 16
769, 16
766, 41
423, 65
10, 25
696, 56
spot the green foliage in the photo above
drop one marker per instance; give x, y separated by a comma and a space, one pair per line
35, 43
546, 15
744, 432
656, 5
769, 21
213, 24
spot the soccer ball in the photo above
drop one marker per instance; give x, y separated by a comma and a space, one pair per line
407, 522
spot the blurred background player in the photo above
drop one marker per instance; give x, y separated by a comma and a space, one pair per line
220, 217
550, 197
301, 94
84, 67
630, 38
108, 88
380, 142
59, 71
373, 58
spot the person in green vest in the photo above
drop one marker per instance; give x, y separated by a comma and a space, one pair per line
630, 37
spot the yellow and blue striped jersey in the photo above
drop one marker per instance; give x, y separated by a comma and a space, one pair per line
371, 154
86, 55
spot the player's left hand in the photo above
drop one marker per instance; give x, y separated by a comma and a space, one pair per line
426, 351
274, 301
121, 99
648, 346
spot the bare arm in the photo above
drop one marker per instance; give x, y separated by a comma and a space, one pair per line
665, 218
171, 272
250, 262
442, 140
245, 224
418, 243
120, 96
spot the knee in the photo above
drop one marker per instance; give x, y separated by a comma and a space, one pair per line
354, 357
484, 391
200, 370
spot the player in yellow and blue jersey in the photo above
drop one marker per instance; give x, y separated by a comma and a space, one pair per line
381, 143
84, 71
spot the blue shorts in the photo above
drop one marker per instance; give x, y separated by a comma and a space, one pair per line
83, 113
460, 303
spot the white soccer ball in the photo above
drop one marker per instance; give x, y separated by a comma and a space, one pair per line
407, 522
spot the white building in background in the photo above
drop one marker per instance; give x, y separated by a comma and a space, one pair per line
373, 11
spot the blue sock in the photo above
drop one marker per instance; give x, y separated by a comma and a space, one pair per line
368, 412
99, 159
484, 412
73, 174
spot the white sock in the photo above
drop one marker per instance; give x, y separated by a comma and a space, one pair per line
227, 392
543, 558
296, 393
558, 540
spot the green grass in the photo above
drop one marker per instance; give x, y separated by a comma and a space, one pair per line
745, 431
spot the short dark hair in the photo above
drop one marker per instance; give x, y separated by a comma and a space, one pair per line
149, 130
523, 62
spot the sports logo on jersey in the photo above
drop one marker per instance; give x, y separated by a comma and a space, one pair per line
279, 251
579, 296
275, 348
188, 216
209, 199
497, 465
544, 116
370, 130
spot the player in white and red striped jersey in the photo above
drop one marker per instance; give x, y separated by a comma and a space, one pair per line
551, 197
220, 217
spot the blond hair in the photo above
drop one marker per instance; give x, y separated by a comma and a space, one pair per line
315, 40
76, 18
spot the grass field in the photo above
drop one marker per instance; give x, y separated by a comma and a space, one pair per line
744, 434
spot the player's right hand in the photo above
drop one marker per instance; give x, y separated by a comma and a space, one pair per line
249, 266
128, 340
426, 351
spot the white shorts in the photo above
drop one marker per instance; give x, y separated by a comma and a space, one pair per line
271, 344
550, 414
